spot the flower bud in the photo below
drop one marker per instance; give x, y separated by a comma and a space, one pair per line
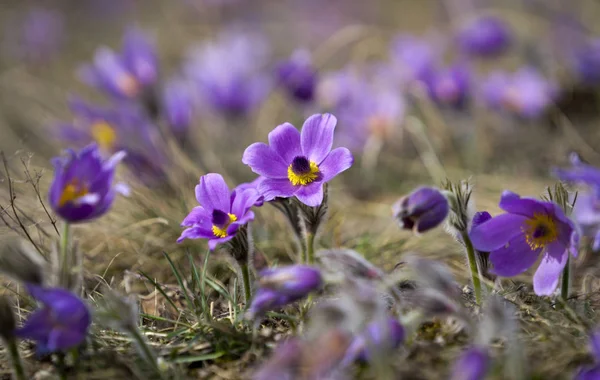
349, 263
422, 210
379, 336
294, 281
283, 363
473, 364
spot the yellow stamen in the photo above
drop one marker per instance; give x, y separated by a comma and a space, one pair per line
221, 232
71, 192
303, 178
104, 134
540, 231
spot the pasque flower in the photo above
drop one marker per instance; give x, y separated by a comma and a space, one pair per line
378, 337
298, 164
484, 36
473, 364
298, 76
592, 372
221, 212
423, 209
528, 229
83, 187
60, 323
450, 86
178, 104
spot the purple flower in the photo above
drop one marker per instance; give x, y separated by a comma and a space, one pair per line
298, 164
528, 229
473, 364
229, 72
413, 58
294, 280
450, 86
82, 188
61, 323
268, 299
592, 372
283, 363
178, 105
252, 185
126, 74
484, 36
221, 212
525, 93
423, 209
298, 76
585, 62
377, 338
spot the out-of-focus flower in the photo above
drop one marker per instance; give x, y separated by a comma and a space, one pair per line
178, 102
378, 337
450, 86
528, 229
283, 364
60, 324
585, 62
346, 262
295, 280
525, 93
298, 76
124, 74
423, 209
592, 372
413, 58
229, 72
484, 36
7, 318
473, 364
298, 164
220, 214
83, 187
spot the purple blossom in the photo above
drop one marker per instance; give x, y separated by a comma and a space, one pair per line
124, 74
525, 93
413, 58
293, 281
450, 86
484, 36
585, 62
592, 372
528, 229
82, 188
178, 105
473, 364
298, 76
221, 212
61, 323
423, 209
283, 363
298, 164
377, 338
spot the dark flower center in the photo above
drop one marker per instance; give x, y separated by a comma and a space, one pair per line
301, 165
220, 218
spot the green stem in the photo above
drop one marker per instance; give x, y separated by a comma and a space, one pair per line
566, 281
473, 267
145, 351
310, 248
64, 254
246, 281
62, 366
15, 358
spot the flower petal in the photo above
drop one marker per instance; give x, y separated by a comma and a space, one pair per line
198, 217
545, 279
311, 195
337, 161
317, 136
264, 161
514, 204
243, 201
285, 141
496, 232
212, 193
514, 258
61, 339
212, 243
272, 188
196, 233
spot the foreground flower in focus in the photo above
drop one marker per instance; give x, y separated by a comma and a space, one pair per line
592, 372
423, 209
221, 212
298, 76
82, 188
473, 364
298, 164
528, 229
60, 324
484, 36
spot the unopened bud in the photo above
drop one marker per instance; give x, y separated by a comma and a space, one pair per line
422, 210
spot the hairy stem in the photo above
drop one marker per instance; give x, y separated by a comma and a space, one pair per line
310, 248
15, 358
566, 281
145, 351
473, 267
246, 282
64, 254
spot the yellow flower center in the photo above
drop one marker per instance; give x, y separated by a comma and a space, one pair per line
221, 231
302, 171
540, 231
72, 191
104, 134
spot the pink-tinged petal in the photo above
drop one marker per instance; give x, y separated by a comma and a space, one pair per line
545, 279
317, 136
285, 141
243, 201
272, 188
337, 161
514, 204
212, 193
212, 243
311, 195
196, 233
199, 216
264, 161
496, 232
514, 258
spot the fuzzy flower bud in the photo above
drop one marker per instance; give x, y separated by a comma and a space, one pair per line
422, 210
294, 281
378, 337
473, 364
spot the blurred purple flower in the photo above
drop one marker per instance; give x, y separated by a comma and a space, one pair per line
125, 74
484, 36
450, 86
298, 76
585, 62
178, 103
220, 214
525, 93
423, 209
413, 58
473, 364
528, 229
229, 72
298, 164
294, 280
39, 36
378, 338
60, 324
592, 372
82, 188
282, 365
